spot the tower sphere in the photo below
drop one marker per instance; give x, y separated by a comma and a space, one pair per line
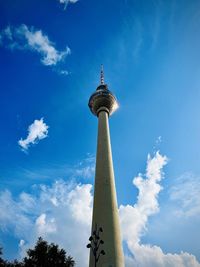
102, 99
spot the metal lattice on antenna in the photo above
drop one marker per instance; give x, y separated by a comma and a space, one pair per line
102, 75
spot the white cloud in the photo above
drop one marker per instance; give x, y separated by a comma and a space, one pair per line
147, 203
26, 38
8, 32
60, 213
63, 72
43, 226
134, 221
86, 172
38, 130
21, 243
153, 256
66, 2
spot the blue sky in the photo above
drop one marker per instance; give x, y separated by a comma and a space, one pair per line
50, 58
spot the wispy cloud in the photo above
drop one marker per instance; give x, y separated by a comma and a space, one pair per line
156, 24
158, 141
185, 193
64, 72
138, 41
66, 2
146, 32
38, 130
28, 38
85, 168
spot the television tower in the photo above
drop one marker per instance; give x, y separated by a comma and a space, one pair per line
102, 104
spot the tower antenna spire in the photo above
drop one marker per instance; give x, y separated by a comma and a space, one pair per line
102, 75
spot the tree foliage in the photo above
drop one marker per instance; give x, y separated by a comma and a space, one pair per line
1, 260
42, 255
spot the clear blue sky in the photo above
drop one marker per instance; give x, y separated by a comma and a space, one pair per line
151, 56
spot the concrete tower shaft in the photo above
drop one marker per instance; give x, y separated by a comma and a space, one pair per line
105, 209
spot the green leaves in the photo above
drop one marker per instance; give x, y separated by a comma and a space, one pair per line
42, 255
